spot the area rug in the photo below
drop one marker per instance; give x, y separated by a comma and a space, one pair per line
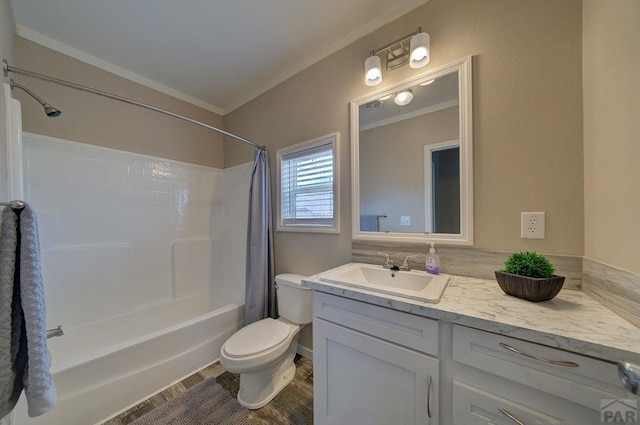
204, 404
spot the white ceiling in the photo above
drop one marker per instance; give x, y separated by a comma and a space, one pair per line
217, 54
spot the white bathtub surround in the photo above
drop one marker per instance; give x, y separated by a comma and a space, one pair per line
235, 207
572, 320
117, 227
121, 232
143, 263
616, 289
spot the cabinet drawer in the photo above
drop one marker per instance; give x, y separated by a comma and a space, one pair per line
418, 333
583, 380
473, 406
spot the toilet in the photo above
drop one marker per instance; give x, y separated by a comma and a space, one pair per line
263, 352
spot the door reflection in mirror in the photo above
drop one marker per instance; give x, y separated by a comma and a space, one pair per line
445, 191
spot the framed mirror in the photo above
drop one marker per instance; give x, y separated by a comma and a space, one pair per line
412, 159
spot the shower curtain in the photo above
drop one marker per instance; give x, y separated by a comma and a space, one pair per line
260, 293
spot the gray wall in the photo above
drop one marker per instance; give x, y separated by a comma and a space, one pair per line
611, 131
91, 119
527, 96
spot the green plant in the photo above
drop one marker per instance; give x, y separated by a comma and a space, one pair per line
530, 264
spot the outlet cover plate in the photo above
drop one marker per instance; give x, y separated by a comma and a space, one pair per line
532, 225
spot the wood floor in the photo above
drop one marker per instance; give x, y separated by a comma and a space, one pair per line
293, 406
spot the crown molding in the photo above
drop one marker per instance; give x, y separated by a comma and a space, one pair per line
65, 49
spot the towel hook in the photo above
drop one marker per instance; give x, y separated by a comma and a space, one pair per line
16, 205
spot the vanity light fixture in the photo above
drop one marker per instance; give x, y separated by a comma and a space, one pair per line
428, 82
404, 97
373, 70
413, 48
419, 47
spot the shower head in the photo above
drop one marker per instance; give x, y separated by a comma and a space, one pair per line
51, 111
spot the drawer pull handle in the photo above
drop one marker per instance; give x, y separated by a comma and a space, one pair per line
630, 376
429, 397
510, 416
555, 362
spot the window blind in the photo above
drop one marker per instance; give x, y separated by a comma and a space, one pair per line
307, 186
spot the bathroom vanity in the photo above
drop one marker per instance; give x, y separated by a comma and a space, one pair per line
478, 356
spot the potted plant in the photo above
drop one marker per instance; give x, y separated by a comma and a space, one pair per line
529, 275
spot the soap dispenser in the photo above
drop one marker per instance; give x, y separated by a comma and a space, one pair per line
432, 262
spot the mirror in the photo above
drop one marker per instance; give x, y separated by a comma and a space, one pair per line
411, 159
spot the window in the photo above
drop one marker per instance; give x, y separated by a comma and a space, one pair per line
308, 182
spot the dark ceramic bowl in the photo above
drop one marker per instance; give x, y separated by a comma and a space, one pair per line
530, 288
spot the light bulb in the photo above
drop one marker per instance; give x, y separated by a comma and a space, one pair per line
403, 98
419, 48
418, 54
373, 71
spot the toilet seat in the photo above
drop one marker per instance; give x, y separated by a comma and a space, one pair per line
256, 338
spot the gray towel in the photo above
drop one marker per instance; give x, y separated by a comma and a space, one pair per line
24, 357
369, 223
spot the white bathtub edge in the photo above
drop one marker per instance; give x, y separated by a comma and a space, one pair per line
113, 383
135, 403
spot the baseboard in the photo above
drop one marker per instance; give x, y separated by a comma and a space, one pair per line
305, 352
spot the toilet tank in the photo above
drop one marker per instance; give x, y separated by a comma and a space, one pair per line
295, 302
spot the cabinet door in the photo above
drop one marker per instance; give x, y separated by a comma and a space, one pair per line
362, 380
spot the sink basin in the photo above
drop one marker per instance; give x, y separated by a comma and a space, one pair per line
415, 284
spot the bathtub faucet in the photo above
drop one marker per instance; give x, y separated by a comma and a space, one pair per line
55, 332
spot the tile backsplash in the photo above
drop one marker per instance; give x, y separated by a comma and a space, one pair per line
462, 260
616, 289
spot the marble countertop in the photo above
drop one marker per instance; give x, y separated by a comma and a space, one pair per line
572, 320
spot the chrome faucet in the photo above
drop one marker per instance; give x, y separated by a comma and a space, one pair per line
405, 263
388, 262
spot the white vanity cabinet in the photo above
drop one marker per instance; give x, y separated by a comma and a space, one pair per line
498, 379
372, 365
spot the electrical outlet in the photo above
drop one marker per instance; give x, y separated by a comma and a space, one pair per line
405, 220
532, 225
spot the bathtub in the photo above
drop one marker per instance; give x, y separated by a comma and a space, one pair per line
104, 367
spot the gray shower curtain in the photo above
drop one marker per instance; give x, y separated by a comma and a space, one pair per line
260, 293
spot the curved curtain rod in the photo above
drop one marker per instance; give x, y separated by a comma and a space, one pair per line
7, 69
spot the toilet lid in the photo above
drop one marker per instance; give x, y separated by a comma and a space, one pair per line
256, 338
